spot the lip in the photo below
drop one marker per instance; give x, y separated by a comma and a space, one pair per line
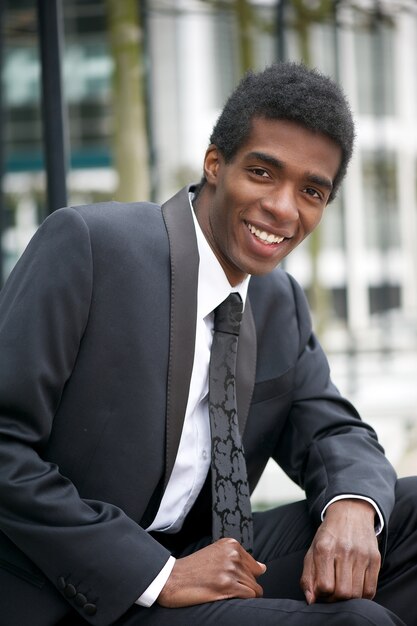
263, 248
266, 234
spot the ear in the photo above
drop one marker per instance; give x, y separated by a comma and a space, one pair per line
211, 164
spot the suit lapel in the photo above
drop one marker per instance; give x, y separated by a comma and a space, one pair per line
184, 281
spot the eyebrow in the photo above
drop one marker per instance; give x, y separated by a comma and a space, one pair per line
277, 163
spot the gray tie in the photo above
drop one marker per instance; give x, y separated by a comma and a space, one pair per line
232, 515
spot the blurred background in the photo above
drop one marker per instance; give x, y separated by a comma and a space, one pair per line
115, 99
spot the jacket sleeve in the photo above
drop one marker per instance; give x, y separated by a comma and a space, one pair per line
84, 547
325, 446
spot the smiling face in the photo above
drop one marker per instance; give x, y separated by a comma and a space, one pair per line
260, 205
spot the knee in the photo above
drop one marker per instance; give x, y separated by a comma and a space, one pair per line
365, 612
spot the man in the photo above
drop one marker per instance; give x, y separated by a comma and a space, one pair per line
106, 328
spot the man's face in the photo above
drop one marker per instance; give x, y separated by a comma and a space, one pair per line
258, 207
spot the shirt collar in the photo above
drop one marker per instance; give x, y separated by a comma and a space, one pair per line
213, 285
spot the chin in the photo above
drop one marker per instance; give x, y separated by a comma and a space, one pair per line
263, 271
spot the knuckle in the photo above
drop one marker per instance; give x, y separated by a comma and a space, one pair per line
323, 549
345, 549
233, 548
344, 593
234, 555
224, 580
227, 541
230, 541
325, 587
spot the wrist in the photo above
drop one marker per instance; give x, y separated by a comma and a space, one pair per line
349, 507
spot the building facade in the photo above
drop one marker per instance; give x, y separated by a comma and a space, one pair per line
361, 270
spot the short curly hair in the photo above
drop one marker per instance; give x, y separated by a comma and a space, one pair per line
289, 91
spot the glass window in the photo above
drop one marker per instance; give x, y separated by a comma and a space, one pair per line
21, 80
380, 200
87, 75
374, 51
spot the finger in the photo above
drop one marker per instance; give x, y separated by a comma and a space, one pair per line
307, 578
246, 588
248, 574
255, 567
347, 584
242, 568
361, 568
324, 569
238, 582
371, 579
256, 591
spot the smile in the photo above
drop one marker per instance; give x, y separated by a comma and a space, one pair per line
268, 238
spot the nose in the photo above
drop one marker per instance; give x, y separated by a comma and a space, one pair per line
281, 204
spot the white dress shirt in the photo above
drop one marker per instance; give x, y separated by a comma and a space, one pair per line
194, 453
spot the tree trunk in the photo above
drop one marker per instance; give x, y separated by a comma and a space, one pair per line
319, 296
130, 137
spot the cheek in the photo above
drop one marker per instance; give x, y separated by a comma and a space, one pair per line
311, 220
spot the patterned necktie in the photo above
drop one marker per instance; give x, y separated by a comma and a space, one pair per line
232, 515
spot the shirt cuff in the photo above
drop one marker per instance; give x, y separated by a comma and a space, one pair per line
378, 525
150, 594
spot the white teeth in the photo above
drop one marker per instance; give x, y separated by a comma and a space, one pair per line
264, 236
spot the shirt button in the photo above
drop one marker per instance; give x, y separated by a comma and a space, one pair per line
204, 455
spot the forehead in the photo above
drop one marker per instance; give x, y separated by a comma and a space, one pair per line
292, 143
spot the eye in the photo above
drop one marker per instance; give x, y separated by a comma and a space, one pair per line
313, 193
259, 171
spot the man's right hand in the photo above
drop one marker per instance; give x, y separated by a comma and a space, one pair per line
221, 570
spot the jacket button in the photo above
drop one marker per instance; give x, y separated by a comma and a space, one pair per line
70, 591
80, 599
90, 608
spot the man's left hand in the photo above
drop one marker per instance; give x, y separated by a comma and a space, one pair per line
343, 561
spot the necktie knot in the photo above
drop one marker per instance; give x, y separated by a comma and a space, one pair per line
228, 315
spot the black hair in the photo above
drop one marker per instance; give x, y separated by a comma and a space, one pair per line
289, 91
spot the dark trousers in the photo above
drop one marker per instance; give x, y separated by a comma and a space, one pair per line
282, 537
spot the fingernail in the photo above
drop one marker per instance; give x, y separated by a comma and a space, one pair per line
309, 597
262, 565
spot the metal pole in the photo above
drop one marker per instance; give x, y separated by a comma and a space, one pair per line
281, 52
2, 212
50, 37
147, 90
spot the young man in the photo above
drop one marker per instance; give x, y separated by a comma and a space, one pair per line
106, 334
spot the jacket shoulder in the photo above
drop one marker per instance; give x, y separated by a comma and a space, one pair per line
278, 299
118, 228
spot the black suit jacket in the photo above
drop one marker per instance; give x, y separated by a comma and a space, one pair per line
96, 348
